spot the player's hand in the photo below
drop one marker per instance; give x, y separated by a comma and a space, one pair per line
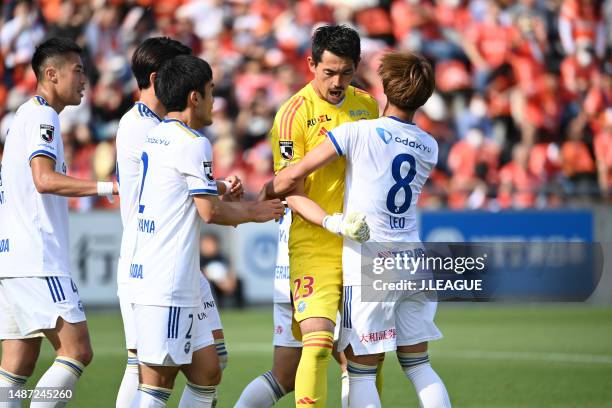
236, 190
352, 226
268, 210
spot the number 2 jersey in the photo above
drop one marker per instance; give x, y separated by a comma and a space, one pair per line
131, 134
176, 165
388, 162
33, 226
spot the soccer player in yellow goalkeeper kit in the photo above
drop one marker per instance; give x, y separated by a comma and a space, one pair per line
315, 255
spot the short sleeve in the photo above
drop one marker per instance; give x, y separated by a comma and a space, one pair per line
343, 139
288, 134
43, 134
195, 164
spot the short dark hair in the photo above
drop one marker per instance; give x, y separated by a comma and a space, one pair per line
151, 54
340, 40
407, 78
53, 47
178, 77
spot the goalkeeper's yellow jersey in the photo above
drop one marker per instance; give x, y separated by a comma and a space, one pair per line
299, 126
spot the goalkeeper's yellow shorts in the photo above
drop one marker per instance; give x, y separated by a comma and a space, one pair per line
316, 291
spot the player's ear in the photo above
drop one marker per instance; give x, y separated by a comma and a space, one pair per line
193, 98
152, 78
312, 65
50, 74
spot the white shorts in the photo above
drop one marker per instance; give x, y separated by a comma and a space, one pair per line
168, 336
207, 313
283, 335
129, 325
209, 306
378, 327
32, 304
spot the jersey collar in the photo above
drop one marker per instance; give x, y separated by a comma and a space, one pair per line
40, 100
144, 110
399, 120
183, 126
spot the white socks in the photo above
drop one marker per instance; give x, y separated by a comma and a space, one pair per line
344, 393
221, 353
198, 396
10, 384
362, 386
428, 385
149, 396
63, 375
263, 392
129, 383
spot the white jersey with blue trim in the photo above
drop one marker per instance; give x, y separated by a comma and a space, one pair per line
33, 226
131, 134
388, 162
176, 165
282, 291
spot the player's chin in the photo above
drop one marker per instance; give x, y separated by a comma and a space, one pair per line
76, 98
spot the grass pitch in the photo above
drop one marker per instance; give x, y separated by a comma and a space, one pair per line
491, 356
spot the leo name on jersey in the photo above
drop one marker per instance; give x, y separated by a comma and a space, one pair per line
388, 162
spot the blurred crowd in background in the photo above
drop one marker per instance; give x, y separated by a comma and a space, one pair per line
522, 110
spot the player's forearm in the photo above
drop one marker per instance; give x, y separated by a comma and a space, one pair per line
59, 184
284, 182
293, 176
226, 213
306, 208
214, 211
233, 213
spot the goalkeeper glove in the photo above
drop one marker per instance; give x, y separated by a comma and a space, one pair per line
353, 226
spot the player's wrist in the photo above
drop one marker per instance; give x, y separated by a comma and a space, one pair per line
252, 211
333, 223
105, 188
227, 184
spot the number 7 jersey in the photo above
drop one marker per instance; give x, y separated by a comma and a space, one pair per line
388, 162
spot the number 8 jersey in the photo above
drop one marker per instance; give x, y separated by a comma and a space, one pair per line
176, 165
388, 162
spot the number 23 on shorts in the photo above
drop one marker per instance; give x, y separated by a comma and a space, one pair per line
305, 284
